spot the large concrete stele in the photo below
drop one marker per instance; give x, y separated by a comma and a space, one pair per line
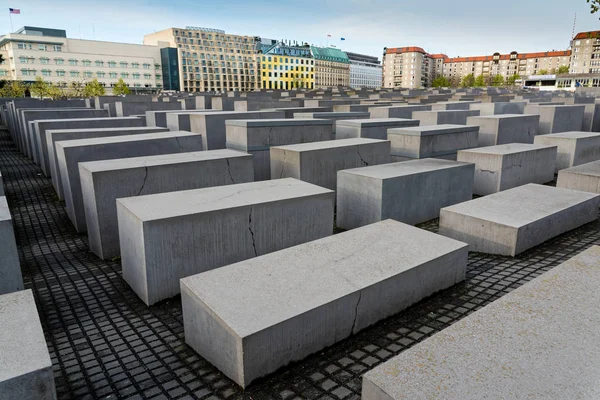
507, 166
512, 221
103, 182
257, 136
72, 152
25, 365
404, 111
411, 192
319, 162
561, 118
446, 117
370, 128
253, 317
505, 128
11, 278
584, 177
574, 148
53, 136
168, 236
539, 342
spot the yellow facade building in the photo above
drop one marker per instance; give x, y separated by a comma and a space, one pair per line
286, 66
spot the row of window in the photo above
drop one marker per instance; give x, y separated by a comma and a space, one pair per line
86, 63
287, 85
87, 74
287, 67
42, 47
216, 70
212, 44
281, 59
214, 50
285, 75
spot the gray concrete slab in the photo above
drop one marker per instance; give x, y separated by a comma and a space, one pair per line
540, 341
41, 126
165, 237
507, 166
25, 365
498, 108
258, 136
512, 221
11, 278
319, 162
432, 141
505, 128
103, 182
411, 192
374, 128
59, 135
554, 119
446, 117
71, 152
404, 111
180, 121
574, 148
584, 177
253, 317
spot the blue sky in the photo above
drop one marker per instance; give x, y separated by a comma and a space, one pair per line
454, 27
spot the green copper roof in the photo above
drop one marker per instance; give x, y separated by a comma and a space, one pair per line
329, 54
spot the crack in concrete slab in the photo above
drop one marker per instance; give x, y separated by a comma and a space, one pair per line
252, 233
144, 182
282, 165
356, 312
229, 170
359, 156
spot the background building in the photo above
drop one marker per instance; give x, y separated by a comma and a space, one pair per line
585, 58
406, 67
285, 65
332, 67
34, 52
365, 71
210, 59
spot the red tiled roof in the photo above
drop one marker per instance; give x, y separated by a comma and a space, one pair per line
524, 56
410, 49
588, 35
437, 56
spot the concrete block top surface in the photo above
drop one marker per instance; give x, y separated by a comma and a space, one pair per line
328, 144
278, 122
503, 116
540, 341
131, 118
278, 286
349, 114
590, 169
429, 130
118, 129
164, 159
503, 149
174, 204
119, 139
405, 168
376, 122
570, 135
22, 345
522, 205
4, 210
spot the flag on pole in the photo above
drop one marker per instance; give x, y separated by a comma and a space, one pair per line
328, 35
343, 38
14, 11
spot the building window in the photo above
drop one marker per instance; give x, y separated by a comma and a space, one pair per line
158, 76
112, 75
57, 48
46, 72
28, 72
3, 72
59, 61
112, 64
123, 64
135, 75
137, 85
100, 74
146, 66
156, 66
44, 60
87, 74
124, 75
147, 76
87, 63
99, 63
72, 61
21, 46
23, 60
42, 47
74, 74
60, 72
135, 65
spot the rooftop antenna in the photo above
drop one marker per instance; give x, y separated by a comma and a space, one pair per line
574, 22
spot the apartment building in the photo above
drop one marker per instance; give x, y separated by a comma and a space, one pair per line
332, 67
210, 59
406, 67
365, 71
286, 65
33, 52
585, 58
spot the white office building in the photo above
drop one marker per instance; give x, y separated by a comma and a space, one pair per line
365, 71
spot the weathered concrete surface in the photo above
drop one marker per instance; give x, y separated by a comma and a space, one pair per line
404, 111
11, 278
574, 148
497, 108
370, 128
506, 166
71, 152
518, 219
584, 177
446, 117
103, 182
411, 192
319, 162
505, 128
539, 341
25, 365
168, 236
432, 141
253, 317
554, 119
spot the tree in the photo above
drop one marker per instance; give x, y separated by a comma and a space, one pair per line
56, 92
479, 81
594, 5
512, 79
93, 88
39, 88
498, 80
1, 58
563, 69
468, 81
543, 72
440, 81
13, 89
121, 88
